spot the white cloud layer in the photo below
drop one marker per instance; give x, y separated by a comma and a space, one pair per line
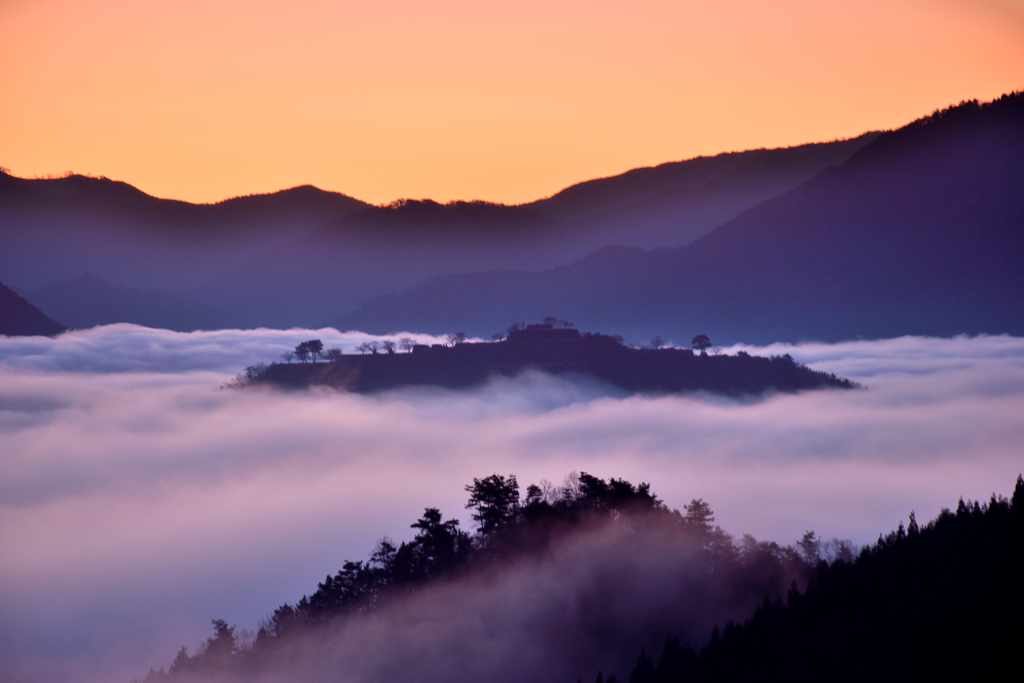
138, 500
131, 348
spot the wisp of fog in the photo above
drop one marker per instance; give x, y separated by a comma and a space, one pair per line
139, 499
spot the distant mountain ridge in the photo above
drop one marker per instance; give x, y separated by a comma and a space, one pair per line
919, 232
171, 214
54, 229
674, 203
389, 248
258, 259
359, 256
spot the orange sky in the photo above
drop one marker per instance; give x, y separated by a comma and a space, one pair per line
511, 101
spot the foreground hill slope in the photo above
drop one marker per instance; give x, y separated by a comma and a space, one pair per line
20, 318
938, 603
920, 232
550, 584
567, 581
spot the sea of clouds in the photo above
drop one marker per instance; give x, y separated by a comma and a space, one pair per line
139, 499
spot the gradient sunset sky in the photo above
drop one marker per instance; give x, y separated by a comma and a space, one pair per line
203, 100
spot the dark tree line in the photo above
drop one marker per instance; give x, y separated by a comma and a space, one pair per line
508, 526
942, 602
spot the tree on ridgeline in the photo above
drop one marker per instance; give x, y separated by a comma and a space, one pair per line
810, 548
495, 500
309, 349
439, 546
371, 347
388, 345
701, 343
406, 343
316, 347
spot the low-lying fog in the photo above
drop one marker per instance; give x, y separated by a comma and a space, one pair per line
138, 500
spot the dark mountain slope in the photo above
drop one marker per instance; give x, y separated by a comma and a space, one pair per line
672, 204
380, 249
53, 228
384, 249
87, 301
20, 318
936, 603
921, 232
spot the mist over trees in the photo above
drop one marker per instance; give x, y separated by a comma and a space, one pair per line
942, 602
939, 601
637, 569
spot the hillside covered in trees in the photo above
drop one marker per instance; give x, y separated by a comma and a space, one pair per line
942, 602
560, 583
653, 367
548, 583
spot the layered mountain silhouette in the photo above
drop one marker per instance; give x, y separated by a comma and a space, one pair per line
919, 232
300, 256
54, 229
20, 318
916, 230
87, 301
673, 204
355, 258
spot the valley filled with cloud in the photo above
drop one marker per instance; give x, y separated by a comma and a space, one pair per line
139, 499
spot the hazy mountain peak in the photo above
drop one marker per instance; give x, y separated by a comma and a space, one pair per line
20, 318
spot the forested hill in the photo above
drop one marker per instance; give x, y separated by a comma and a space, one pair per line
919, 232
548, 584
571, 580
650, 369
941, 602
